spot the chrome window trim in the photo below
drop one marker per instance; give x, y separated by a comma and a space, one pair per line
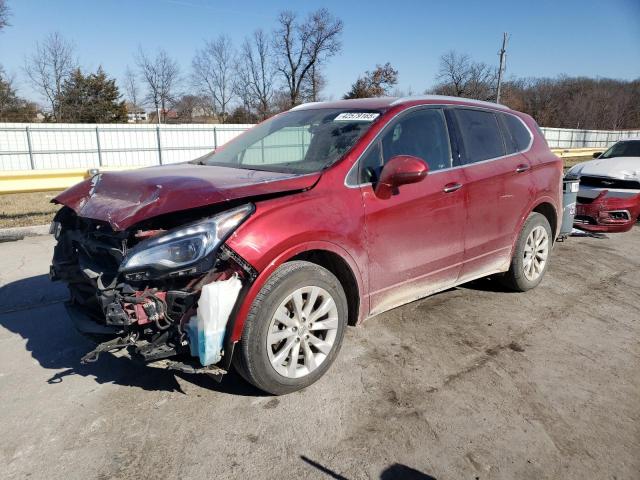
445, 105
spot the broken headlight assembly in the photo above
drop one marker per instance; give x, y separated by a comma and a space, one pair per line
185, 250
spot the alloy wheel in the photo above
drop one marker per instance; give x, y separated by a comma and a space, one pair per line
302, 332
536, 251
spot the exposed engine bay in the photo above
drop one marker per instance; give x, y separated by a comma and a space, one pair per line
137, 290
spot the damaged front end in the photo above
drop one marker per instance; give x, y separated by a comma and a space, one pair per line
607, 213
140, 289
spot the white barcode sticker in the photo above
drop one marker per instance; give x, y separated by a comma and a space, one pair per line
356, 116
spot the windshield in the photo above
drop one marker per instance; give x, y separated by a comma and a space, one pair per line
629, 148
301, 141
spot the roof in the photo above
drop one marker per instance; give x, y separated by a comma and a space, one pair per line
364, 103
386, 102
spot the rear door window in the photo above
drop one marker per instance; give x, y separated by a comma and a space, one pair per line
481, 136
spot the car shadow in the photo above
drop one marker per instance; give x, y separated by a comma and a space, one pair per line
42, 321
486, 284
396, 471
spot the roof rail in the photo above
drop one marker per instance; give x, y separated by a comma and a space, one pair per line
304, 105
447, 98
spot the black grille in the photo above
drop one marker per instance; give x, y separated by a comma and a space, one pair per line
599, 182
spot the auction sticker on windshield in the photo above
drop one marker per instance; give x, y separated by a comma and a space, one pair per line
356, 116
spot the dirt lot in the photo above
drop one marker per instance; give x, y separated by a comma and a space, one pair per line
473, 383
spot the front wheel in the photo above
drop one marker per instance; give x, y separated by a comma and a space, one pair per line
531, 256
294, 329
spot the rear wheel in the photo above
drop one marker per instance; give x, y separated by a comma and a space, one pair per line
531, 257
294, 329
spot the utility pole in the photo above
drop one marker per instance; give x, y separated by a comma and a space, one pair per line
503, 60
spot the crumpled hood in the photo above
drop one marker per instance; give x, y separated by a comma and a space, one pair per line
623, 168
126, 198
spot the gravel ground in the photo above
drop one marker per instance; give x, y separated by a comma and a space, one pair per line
473, 383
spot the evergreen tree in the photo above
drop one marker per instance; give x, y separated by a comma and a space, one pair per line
92, 98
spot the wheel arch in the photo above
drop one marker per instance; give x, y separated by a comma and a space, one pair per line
544, 206
549, 212
343, 272
326, 254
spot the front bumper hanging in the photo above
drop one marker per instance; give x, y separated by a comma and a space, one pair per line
153, 321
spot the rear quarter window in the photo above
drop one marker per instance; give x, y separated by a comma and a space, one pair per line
516, 132
481, 136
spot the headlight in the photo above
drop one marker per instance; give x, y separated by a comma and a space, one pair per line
184, 246
575, 170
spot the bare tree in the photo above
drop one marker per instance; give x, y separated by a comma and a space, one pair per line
161, 76
243, 90
188, 107
12, 107
5, 13
131, 88
313, 85
52, 63
214, 69
577, 102
460, 76
301, 47
619, 105
255, 74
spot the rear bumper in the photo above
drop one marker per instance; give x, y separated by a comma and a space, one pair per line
606, 213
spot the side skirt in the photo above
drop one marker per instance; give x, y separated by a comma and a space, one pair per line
430, 292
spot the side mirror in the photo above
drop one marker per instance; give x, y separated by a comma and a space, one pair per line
597, 154
400, 170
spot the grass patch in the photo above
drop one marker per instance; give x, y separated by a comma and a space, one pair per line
571, 161
27, 209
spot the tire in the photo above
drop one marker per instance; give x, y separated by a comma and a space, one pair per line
274, 314
519, 277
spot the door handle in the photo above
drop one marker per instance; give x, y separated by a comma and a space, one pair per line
451, 187
522, 168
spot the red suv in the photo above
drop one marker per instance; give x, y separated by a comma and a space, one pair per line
322, 216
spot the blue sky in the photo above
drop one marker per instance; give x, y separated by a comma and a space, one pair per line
548, 38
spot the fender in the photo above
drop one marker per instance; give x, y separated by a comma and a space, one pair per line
281, 258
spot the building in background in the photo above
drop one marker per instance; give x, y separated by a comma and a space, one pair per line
137, 116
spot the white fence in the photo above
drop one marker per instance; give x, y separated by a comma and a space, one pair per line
26, 146
570, 138
54, 146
